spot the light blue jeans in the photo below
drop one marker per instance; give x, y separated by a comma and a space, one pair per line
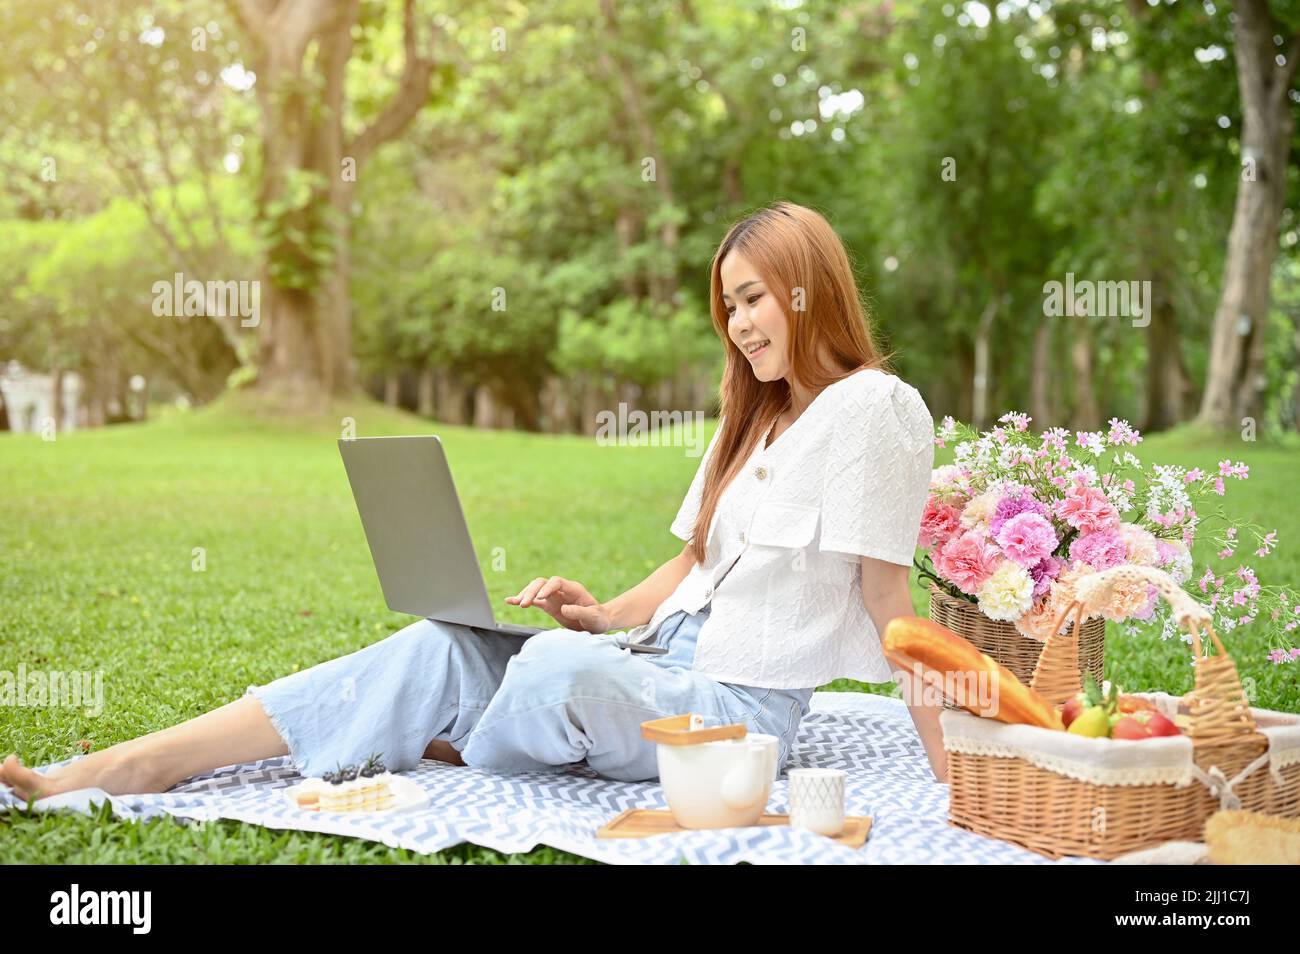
512, 704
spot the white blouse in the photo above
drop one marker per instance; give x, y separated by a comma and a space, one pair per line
848, 478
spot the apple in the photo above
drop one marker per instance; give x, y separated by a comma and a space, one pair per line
1131, 727
1160, 725
1071, 708
1092, 722
1143, 724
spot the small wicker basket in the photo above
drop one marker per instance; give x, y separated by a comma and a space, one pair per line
1016, 800
1002, 641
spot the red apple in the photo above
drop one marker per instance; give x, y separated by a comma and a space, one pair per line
1071, 708
1143, 724
1131, 727
1160, 725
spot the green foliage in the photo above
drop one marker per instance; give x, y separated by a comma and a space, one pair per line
1086, 136
297, 230
630, 340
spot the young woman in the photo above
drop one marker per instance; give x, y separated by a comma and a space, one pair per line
800, 526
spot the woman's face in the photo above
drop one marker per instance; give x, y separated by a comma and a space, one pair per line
754, 318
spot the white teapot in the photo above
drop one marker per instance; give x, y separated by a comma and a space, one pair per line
719, 784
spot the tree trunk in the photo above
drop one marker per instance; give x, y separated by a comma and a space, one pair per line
1040, 383
982, 381
56, 397
1085, 416
485, 408
662, 277
965, 360
1166, 382
593, 399
424, 399
524, 405
452, 397
305, 327
1233, 387
704, 395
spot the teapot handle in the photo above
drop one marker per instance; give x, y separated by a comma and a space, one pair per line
744, 784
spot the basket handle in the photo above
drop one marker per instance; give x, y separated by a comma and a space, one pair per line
1219, 710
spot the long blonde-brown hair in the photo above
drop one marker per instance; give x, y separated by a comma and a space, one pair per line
793, 248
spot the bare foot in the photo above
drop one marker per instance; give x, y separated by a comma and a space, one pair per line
113, 770
443, 751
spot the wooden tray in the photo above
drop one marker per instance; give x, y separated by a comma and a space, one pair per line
640, 822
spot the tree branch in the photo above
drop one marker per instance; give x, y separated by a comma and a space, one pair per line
252, 16
412, 92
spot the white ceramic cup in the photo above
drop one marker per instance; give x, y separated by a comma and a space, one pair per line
723, 784
817, 800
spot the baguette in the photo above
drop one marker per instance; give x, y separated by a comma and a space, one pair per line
945, 658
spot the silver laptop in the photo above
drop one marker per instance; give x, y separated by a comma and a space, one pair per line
417, 532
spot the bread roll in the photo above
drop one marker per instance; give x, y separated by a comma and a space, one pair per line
947, 659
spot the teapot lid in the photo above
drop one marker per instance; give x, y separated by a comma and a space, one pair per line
689, 729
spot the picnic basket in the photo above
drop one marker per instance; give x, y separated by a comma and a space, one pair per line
1002, 641
1062, 794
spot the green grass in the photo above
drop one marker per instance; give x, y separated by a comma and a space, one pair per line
97, 537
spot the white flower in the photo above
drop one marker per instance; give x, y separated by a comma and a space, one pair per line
1008, 593
1008, 456
980, 510
1118, 496
947, 429
948, 481
1180, 567
1088, 471
1166, 490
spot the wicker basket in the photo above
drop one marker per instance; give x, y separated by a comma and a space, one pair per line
1002, 641
1013, 799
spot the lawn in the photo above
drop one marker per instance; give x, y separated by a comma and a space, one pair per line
101, 533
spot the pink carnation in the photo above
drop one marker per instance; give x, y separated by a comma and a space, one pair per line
1087, 510
1101, 550
967, 561
1027, 538
939, 522
1008, 507
1043, 573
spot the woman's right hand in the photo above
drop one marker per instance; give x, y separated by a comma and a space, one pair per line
567, 602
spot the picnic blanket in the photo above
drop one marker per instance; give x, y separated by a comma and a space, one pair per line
870, 736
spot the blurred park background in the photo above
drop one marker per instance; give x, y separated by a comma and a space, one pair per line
502, 214
229, 231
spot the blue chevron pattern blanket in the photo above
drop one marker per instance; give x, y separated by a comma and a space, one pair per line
871, 737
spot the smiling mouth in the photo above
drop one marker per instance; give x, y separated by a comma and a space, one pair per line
756, 348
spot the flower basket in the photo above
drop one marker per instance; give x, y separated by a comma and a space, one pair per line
1062, 794
1003, 642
